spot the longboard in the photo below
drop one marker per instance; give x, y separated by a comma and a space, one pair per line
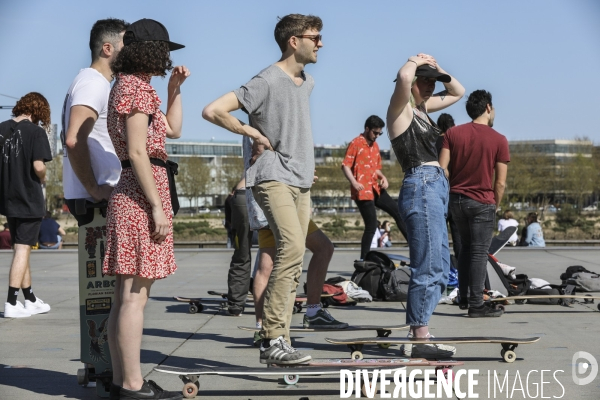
291, 373
402, 260
500, 240
508, 344
300, 299
382, 331
587, 299
96, 296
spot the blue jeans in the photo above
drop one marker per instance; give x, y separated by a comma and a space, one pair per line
476, 222
423, 205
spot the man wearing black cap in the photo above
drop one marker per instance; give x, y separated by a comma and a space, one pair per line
477, 157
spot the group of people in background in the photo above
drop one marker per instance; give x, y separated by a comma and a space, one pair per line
114, 151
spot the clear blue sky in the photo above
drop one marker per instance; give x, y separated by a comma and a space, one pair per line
539, 58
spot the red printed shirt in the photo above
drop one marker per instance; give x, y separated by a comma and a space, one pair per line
364, 161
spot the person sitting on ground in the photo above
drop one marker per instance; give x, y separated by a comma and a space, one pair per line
508, 219
5, 240
534, 236
385, 240
376, 236
51, 233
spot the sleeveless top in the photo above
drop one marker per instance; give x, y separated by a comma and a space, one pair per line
416, 145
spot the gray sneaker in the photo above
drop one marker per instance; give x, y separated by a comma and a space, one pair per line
429, 351
280, 352
323, 320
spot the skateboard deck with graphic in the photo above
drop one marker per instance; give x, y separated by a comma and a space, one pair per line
508, 344
96, 295
291, 373
500, 240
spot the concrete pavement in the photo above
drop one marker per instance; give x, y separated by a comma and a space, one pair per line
39, 356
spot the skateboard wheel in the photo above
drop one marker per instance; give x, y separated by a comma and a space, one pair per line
193, 309
384, 345
588, 301
357, 355
509, 356
519, 301
291, 379
190, 390
501, 307
298, 308
83, 377
324, 304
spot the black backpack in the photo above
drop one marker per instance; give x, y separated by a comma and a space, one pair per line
378, 275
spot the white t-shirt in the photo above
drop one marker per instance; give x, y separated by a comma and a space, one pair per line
505, 223
386, 238
375, 241
90, 88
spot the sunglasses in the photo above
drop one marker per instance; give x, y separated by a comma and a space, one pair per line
377, 133
315, 38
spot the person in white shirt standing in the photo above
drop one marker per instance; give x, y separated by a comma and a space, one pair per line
91, 167
508, 219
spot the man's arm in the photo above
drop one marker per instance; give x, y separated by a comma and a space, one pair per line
384, 183
218, 112
40, 170
350, 177
81, 123
500, 182
445, 160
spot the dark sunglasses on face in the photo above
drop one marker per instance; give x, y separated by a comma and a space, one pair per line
315, 38
377, 133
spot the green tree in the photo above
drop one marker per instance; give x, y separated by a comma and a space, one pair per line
580, 178
232, 170
54, 186
193, 178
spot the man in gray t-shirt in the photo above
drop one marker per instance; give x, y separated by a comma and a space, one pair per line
277, 103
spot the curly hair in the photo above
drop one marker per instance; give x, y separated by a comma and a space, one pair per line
37, 106
295, 25
150, 57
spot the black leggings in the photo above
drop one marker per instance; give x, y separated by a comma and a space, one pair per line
369, 216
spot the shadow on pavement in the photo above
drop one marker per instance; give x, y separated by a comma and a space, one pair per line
40, 381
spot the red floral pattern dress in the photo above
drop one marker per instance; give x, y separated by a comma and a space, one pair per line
363, 160
130, 250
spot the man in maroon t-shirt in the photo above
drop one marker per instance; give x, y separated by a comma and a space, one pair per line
476, 158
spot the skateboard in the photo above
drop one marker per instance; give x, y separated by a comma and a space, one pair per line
96, 295
587, 299
508, 353
500, 240
291, 373
300, 299
402, 260
195, 303
382, 331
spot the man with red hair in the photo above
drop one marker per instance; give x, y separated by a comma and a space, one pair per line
24, 148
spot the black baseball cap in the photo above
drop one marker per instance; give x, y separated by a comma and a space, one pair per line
148, 30
429, 71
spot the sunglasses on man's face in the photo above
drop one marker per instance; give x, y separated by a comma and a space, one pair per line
377, 133
315, 38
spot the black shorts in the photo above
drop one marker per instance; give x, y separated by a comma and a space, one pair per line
24, 230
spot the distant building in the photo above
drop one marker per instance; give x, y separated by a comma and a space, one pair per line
560, 150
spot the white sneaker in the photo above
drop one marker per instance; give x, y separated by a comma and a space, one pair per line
16, 311
37, 307
428, 351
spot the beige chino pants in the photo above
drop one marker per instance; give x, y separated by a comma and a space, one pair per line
287, 209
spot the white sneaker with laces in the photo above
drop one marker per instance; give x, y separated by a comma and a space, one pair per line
16, 311
37, 307
428, 351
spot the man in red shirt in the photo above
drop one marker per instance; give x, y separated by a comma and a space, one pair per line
473, 154
362, 167
5, 240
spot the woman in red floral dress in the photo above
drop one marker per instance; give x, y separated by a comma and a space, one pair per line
139, 224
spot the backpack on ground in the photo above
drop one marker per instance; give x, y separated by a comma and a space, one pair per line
554, 291
378, 275
584, 280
